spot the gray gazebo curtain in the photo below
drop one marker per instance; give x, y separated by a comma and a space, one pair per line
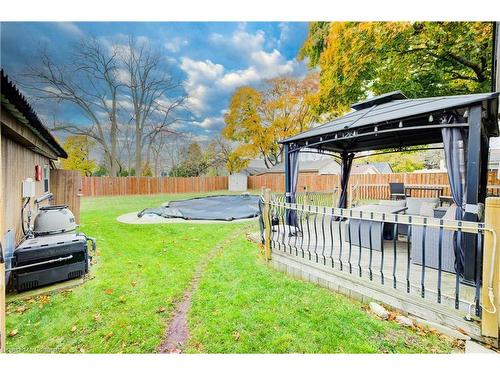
293, 176
454, 141
345, 171
293, 159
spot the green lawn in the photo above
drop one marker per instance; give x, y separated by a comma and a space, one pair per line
242, 305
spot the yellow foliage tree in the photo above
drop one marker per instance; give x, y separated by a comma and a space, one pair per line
78, 148
258, 119
419, 58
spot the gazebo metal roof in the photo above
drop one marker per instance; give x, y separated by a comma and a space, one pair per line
391, 121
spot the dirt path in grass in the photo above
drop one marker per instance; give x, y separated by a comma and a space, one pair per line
177, 333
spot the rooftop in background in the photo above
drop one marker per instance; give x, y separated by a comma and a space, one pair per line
15, 103
321, 166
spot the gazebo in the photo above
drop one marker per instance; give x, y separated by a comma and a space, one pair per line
390, 123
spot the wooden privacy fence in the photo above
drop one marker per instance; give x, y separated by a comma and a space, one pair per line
67, 189
369, 186
311, 181
101, 186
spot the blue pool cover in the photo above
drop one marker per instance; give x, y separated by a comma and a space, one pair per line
217, 207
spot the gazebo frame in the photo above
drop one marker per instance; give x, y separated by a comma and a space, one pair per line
391, 121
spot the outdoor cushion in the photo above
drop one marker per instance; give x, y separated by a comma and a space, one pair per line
414, 204
397, 203
427, 209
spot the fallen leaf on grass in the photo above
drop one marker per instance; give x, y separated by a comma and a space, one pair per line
134, 283
97, 317
108, 291
123, 299
13, 333
21, 309
44, 299
236, 335
73, 329
108, 335
161, 309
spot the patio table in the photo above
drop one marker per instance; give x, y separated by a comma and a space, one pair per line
437, 189
379, 230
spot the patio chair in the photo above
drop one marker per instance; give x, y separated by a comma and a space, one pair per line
397, 190
414, 207
432, 245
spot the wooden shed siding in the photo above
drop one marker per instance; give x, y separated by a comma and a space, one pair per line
18, 163
24, 134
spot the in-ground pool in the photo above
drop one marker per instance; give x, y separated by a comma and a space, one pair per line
217, 207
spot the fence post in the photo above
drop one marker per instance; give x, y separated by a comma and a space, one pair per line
491, 258
267, 223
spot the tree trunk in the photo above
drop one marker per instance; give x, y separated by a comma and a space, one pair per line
138, 151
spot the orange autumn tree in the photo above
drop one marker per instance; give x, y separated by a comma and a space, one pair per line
257, 119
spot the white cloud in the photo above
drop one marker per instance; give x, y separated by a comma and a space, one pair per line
284, 33
175, 44
70, 28
201, 70
232, 80
208, 81
240, 40
211, 123
200, 76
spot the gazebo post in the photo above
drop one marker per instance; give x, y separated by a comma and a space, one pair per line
474, 184
288, 184
286, 151
346, 165
483, 187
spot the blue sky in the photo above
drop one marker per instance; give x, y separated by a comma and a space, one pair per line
214, 58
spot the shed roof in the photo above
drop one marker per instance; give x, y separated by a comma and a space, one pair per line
391, 108
15, 102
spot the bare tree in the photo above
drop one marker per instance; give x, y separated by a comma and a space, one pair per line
156, 96
217, 154
90, 82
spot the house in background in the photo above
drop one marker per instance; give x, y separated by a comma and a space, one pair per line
494, 161
311, 164
372, 168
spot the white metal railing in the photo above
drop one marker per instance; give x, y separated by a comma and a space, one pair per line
355, 241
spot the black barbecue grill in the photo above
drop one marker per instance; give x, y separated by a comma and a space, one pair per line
52, 250
48, 259
45, 260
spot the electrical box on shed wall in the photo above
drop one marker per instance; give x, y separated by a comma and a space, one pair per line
28, 188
